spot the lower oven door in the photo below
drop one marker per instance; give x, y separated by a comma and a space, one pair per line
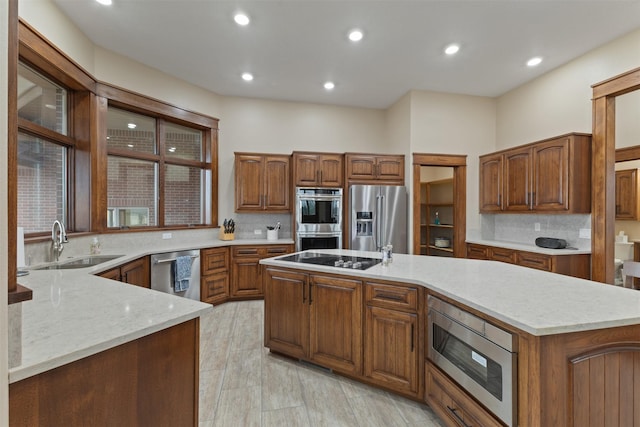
318, 241
484, 369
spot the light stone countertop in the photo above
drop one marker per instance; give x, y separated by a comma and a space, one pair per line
528, 248
75, 314
534, 301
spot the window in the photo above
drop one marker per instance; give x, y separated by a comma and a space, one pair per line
156, 173
43, 151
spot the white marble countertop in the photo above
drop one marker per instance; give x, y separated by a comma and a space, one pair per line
534, 301
74, 314
528, 248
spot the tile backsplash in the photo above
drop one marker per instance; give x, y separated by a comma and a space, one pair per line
518, 228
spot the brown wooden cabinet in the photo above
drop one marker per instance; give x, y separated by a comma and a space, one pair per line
391, 346
627, 201
318, 169
578, 265
262, 183
214, 284
246, 274
134, 272
374, 169
552, 175
315, 317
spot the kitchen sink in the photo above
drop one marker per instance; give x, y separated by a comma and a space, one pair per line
84, 262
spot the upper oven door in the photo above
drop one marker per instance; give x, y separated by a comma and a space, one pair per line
318, 213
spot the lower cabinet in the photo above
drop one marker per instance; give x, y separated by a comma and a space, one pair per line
453, 405
214, 283
578, 265
314, 317
246, 274
391, 345
134, 272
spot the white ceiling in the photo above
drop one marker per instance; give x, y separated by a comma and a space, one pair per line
293, 46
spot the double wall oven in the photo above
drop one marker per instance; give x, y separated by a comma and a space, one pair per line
479, 356
318, 218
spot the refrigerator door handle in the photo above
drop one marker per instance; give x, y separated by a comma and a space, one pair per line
381, 222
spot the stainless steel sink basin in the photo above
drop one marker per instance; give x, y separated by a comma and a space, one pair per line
84, 262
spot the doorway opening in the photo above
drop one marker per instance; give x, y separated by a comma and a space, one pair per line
439, 185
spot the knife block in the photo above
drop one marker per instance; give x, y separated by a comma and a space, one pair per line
226, 236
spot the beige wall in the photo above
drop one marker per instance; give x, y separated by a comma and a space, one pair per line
4, 341
560, 101
444, 123
282, 127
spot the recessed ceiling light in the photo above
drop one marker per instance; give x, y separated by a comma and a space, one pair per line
104, 2
241, 19
355, 35
131, 125
534, 61
452, 49
329, 85
247, 77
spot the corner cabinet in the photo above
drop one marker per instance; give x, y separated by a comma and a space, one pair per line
214, 285
627, 185
262, 183
246, 274
134, 273
374, 169
552, 175
314, 317
318, 169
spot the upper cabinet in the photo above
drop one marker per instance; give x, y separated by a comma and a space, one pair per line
627, 206
262, 182
374, 169
553, 175
318, 169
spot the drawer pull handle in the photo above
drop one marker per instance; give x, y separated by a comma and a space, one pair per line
458, 417
391, 297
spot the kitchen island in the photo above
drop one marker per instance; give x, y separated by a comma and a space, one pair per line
576, 341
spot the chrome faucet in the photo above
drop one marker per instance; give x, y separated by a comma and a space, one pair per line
58, 237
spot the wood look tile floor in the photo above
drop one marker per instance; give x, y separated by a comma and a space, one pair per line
243, 384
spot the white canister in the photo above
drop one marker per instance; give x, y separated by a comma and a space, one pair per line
272, 234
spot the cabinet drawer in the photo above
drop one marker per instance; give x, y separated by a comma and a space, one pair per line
266, 251
533, 260
391, 296
215, 260
477, 251
503, 254
452, 404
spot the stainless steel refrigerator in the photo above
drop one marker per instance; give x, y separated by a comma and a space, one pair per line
378, 217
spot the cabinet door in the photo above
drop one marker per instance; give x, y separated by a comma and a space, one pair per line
249, 182
551, 176
336, 323
113, 274
361, 167
491, 183
276, 183
307, 169
517, 184
246, 277
535, 260
286, 312
214, 260
391, 354
502, 255
136, 273
214, 288
331, 170
390, 168
477, 251
627, 194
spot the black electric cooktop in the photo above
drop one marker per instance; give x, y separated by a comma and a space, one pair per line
340, 261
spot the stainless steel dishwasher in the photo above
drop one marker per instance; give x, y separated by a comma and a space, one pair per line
162, 273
